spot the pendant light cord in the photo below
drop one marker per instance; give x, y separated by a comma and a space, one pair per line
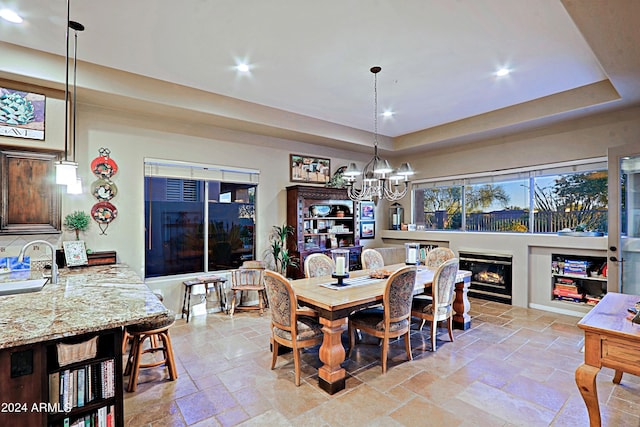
66, 89
75, 66
375, 71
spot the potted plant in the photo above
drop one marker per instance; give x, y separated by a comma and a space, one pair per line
278, 254
77, 221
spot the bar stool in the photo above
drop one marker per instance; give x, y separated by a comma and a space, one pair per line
126, 337
158, 328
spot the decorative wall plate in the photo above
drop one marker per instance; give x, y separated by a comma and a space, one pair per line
319, 210
103, 212
104, 167
104, 190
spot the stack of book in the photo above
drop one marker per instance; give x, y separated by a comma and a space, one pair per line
592, 300
575, 268
566, 290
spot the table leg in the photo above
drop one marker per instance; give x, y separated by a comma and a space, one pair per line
586, 381
461, 305
331, 374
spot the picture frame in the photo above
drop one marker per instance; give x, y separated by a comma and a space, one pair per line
27, 117
75, 253
367, 211
367, 230
309, 169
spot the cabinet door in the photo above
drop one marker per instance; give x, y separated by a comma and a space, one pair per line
30, 196
22, 386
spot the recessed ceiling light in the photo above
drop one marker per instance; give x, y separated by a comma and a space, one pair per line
502, 72
243, 68
387, 113
11, 16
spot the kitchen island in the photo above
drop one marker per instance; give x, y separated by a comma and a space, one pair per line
38, 329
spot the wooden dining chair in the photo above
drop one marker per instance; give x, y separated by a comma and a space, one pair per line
246, 280
440, 306
394, 320
370, 258
290, 326
316, 265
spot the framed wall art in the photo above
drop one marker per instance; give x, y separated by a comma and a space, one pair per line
309, 169
21, 114
367, 211
367, 230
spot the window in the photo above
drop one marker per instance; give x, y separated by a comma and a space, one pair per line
198, 218
498, 205
538, 200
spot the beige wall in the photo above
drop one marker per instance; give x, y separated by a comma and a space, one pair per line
578, 139
153, 132
131, 138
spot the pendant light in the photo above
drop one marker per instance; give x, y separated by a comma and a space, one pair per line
378, 179
76, 186
66, 169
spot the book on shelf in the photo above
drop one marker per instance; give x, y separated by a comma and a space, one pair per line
74, 388
54, 388
565, 280
81, 387
567, 288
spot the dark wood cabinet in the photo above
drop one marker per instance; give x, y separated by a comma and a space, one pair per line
323, 219
30, 196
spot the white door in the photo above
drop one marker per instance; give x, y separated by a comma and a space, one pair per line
624, 219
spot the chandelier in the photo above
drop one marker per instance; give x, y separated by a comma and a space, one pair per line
378, 180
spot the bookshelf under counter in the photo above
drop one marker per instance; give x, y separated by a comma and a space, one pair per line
49, 334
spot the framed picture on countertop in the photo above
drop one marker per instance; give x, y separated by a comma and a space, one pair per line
75, 253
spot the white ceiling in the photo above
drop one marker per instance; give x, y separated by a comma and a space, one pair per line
438, 57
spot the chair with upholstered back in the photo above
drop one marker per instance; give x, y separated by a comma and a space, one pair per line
246, 280
440, 306
371, 258
316, 265
394, 320
437, 256
289, 326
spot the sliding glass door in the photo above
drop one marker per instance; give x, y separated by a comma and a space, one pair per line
624, 219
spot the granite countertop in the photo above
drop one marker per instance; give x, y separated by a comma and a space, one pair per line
85, 299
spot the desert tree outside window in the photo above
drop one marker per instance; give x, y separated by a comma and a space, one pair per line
543, 199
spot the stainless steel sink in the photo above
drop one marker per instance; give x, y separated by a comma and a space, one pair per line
22, 286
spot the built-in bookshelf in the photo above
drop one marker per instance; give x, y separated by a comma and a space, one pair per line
578, 279
74, 381
85, 380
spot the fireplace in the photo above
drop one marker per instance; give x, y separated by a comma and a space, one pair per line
491, 275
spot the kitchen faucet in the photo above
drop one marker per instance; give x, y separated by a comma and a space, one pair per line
54, 266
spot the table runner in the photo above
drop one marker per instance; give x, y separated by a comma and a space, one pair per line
350, 283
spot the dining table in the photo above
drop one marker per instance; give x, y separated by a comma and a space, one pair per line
334, 303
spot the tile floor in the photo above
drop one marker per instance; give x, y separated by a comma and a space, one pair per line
513, 367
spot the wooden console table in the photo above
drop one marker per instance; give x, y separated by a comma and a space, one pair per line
610, 340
